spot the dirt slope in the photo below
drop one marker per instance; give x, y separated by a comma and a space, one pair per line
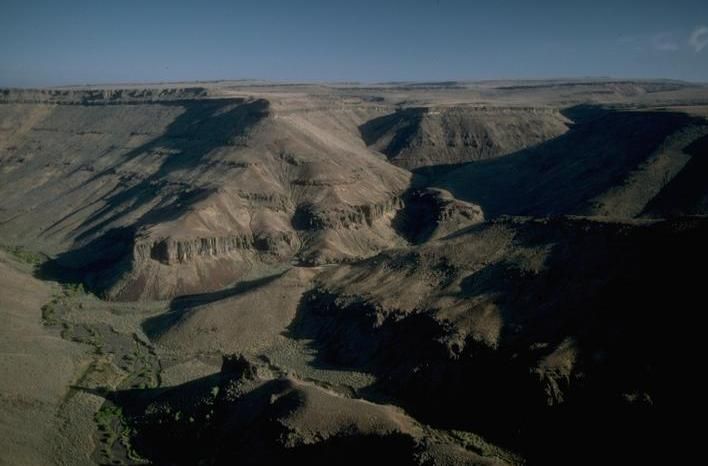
417, 137
245, 319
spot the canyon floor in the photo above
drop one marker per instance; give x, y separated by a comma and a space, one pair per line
499, 272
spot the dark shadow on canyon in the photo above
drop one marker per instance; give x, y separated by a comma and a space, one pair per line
610, 289
562, 175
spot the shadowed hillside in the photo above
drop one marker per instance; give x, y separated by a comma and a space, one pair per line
588, 170
532, 332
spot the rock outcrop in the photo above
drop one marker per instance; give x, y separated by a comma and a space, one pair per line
433, 213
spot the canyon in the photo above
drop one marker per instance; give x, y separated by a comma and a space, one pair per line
441, 273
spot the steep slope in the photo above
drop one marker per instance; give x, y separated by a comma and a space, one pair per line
417, 137
686, 193
156, 199
247, 415
528, 331
678, 154
610, 163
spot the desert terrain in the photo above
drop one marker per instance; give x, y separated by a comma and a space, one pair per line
440, 273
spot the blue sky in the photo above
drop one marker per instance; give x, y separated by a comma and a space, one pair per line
76, 42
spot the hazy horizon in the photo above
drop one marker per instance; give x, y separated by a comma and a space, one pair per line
43, 43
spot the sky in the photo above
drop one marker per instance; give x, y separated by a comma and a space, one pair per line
59, 42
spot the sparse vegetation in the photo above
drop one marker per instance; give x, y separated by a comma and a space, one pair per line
119, 358
23, 255
115, 436
474, 442
49, 315
73, 290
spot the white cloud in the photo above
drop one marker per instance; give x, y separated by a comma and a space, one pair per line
699, 38
665, 42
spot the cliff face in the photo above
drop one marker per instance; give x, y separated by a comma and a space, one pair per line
180, 251
417, 137
309, 217
170, 251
